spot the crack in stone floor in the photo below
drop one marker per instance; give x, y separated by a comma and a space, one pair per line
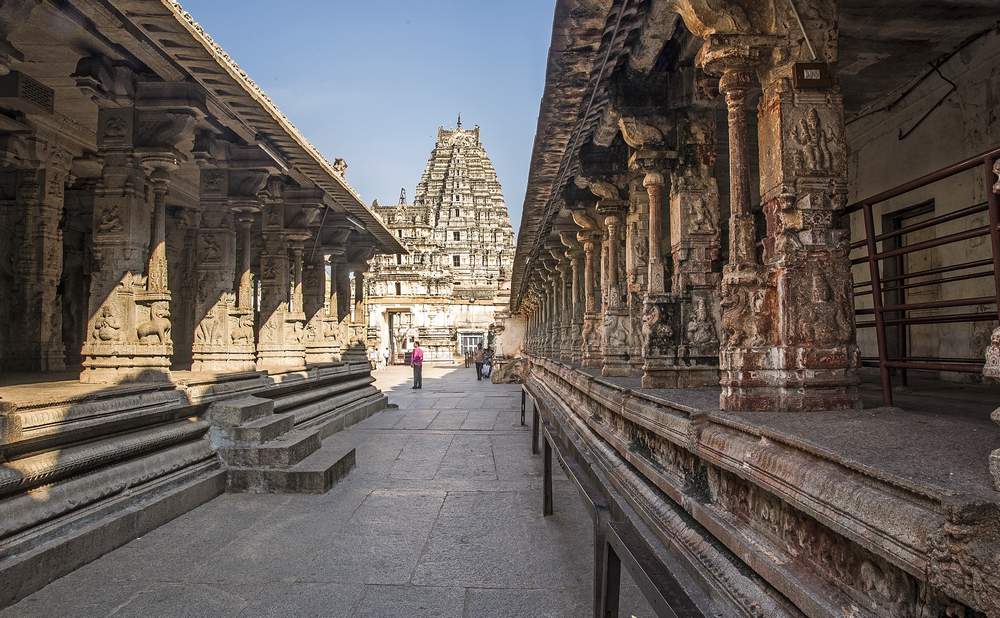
441, 517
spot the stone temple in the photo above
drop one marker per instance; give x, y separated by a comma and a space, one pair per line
456, 277
747, 342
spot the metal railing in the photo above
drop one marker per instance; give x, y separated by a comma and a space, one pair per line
899, 313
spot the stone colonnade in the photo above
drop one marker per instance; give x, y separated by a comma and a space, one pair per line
774, 324
252, 248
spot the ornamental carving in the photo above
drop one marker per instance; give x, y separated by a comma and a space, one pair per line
107, 326
243, 332
992, 367
110, 221
700, 326
158, 323
817, 146
823, 321
744, 315
209, 250
657, 333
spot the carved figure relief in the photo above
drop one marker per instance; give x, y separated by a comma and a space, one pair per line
744, 316
243, 333
814, 155
158, 323
115, 127
701, 217
210, 328
110, 221
107, 326
700, 329
823, 322
657, 334
209, 250
615, 331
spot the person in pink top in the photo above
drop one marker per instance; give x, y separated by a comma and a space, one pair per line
417, 360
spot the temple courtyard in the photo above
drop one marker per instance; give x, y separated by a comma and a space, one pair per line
442, 516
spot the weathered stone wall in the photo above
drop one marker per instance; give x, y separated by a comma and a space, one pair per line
892, 146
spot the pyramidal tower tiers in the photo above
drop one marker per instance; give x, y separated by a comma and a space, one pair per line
461, 243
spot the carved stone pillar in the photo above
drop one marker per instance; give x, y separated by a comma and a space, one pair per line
279, 346
614, 342
574, 254
36, 342
788, 340
332, 325
129, 328
636, 270
223, 335
566, 318
590, 334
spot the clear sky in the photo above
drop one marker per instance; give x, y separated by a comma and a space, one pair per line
371, 80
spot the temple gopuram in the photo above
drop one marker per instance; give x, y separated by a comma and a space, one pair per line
754, 301
446, 292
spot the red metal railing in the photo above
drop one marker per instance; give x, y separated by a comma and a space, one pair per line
877, 286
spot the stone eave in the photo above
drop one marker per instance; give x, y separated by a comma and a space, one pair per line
175, 34
586, 34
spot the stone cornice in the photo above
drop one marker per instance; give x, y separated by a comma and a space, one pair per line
175, 34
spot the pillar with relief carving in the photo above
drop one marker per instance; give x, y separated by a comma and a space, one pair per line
788, 337
36, 342
615, 322
129, 329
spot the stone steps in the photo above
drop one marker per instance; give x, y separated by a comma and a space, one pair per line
286, 450
264, 429
283, 452
315, 474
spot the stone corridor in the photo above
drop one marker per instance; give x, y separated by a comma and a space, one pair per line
441, 517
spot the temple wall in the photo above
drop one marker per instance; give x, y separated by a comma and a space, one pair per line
881, 159
437, 323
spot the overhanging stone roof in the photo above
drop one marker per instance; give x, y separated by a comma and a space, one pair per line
175, 33
588, 40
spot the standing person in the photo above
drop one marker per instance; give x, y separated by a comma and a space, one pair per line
417, 361
373, 358
477, 357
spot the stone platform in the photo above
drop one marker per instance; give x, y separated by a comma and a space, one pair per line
441, 517
85, 469
881, 511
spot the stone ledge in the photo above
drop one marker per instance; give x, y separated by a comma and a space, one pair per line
683, 452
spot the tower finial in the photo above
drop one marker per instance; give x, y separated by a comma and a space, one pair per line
402, 195
459, 125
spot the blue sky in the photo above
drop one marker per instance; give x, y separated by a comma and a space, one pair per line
371, 80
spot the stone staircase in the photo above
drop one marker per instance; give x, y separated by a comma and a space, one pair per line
265, 452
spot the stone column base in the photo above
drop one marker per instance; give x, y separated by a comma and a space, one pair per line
789, 380
679, 376
279, 359
322, 352
114, 364
220, 359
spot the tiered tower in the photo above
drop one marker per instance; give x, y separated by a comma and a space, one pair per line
462, 246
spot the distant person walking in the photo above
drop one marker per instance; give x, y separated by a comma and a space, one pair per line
477, 357
417, 361
373, 358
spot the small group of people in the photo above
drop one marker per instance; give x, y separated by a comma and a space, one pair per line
377, 358
483, 359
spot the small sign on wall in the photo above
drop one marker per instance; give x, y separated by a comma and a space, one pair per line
812, 76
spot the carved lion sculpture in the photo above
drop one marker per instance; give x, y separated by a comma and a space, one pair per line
244, 332
158, 324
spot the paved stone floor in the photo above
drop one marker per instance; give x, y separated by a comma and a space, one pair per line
442, 517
